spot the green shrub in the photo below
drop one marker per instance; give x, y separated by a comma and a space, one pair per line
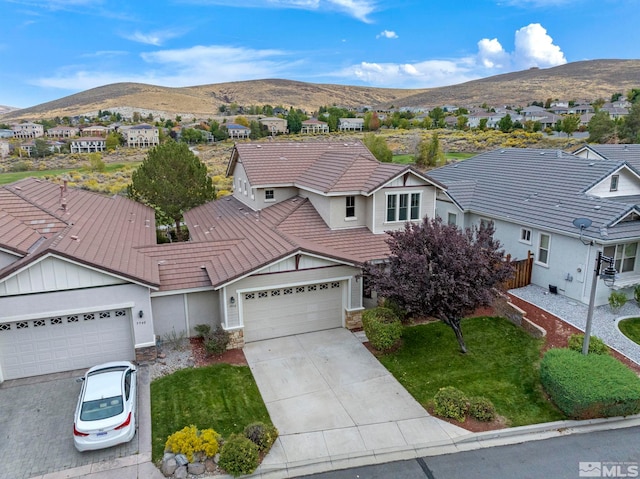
451, 402
382, 327
596, 345
217, 342
482, 409
589, 386
189, 441
636, 293
393, 306
262, 435
202, 330
617, 299
238, 456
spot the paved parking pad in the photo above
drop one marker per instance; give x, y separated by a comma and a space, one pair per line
36, 428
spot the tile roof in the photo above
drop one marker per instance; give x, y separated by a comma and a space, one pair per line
542, 188
326, 167
233, 241
40, 217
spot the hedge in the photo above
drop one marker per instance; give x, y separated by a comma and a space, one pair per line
589, 386
382, 327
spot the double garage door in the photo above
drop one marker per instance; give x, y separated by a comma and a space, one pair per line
292, 310
64, 343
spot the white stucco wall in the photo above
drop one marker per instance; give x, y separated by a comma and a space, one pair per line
7, 258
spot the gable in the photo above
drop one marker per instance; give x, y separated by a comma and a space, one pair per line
622, 182
298, 262
53, 273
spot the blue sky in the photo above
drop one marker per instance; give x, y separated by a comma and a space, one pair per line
54, 48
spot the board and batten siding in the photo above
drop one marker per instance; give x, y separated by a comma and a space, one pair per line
55, 274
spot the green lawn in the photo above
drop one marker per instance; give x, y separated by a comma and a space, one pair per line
630, 327
222, 397
502, 365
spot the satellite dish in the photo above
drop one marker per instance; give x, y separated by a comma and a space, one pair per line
582, 223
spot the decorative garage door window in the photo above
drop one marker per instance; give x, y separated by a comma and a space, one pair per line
58, 320
287, 291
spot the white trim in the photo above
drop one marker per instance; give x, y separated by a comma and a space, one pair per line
397, 194
68, 312
4, 250
262, 268
144, 345
173, 292
186, 311
548, 249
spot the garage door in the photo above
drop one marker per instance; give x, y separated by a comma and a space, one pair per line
295, 310
64, 343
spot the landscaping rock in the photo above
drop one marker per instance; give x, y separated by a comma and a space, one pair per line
196, 468
210, 465
181, 473
169, 466
216, 458
182, 460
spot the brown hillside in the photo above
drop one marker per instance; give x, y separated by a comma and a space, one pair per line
574, 81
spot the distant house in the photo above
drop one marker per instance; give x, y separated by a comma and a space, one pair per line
88, 144
94, 130
615, 111
237, 131
54, 146
351, 124
275, 124
63, 131
27, 130
314, 126
141, 136
4, 133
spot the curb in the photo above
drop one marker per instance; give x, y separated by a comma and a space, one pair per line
469, 442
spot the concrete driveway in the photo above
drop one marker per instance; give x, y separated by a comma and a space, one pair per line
329, 397
36, 428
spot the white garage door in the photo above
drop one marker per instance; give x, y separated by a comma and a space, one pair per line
295, 310
64, 343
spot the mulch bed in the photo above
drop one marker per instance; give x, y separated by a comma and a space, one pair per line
202, 358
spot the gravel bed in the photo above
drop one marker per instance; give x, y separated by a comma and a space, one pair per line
604, 324
172, 356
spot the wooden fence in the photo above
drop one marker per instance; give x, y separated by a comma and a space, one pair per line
521, 272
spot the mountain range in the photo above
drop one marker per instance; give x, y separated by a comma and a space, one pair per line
584, 80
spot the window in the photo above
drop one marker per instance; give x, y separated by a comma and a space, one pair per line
269, 195
415, 206
624, 255
525, 235
245, 188
351, 206
614, 182
543, 249
452, 219
391, 207
403, 207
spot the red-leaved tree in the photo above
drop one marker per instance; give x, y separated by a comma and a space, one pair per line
439, 270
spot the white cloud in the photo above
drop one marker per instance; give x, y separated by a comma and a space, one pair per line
197, 65
491, 54
535, 48
359, 9
425, 74
387, 34
152, 38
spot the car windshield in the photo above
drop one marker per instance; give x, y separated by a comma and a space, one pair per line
101, 408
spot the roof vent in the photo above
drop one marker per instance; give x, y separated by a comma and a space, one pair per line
542, 152
258, 146
591, 164
597, 207
558, 154
74, 237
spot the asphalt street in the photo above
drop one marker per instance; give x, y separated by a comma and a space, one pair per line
613, 454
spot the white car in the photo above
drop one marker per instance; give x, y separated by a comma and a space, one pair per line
106, 410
